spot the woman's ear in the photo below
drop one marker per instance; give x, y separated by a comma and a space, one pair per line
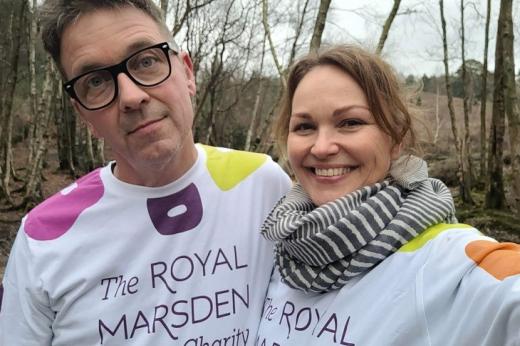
395, 153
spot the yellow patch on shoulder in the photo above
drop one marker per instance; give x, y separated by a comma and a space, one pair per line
229, 168
429, 234
500, 260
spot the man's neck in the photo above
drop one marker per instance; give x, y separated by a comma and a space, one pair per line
155, 174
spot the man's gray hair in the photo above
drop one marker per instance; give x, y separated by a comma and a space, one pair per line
57, 15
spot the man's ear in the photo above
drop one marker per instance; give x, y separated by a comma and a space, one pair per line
79, 111
188, 71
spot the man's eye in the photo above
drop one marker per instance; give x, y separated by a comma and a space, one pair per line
95, 82
146, 62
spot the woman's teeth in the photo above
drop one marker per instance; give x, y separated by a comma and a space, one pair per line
331, 172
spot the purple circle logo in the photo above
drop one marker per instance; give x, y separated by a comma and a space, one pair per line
176, 213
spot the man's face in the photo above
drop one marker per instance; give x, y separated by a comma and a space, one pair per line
147, 128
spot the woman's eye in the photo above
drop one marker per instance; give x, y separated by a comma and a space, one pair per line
302, 127
351, 123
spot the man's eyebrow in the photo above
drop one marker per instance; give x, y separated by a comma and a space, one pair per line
89, 67
132, 48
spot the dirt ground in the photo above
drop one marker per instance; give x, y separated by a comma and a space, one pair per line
10, 219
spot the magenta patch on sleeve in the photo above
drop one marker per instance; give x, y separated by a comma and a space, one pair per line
55, 216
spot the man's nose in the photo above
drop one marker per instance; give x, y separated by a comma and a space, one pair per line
325, 145
131, 95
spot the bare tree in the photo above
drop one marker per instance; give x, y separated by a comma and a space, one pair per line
495, 195
65, 123
465, 192
46, 103
512, 107
483, 97
265, 11
7, 134
32, 74
256, 107
386, 26
319, 24
467, 94
438, 121
164, 6
182, 10
298, 32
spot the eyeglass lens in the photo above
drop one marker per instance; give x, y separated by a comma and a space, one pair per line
148, 67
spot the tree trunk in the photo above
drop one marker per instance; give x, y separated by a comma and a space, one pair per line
45, 108
386, 27
319, 24
99, 152
258, 97
483, 98
267, 30
164, 7
90, 160
16, 30
495, 196
437, 118
298, 32
511, 99
465, 193
32, 73
211, 117
466, 91
65, 122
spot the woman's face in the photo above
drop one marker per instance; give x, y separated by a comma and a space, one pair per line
334, 144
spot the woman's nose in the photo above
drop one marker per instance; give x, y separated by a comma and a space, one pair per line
325, 145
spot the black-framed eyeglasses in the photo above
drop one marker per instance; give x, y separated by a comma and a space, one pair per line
147, 67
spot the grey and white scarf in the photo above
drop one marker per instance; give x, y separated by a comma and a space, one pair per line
320, 248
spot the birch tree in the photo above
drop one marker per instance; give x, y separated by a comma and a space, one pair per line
319, 24
495, 195
386, 27
464, 190
47, 102
511, 98
467, 95
483, 97
7, 114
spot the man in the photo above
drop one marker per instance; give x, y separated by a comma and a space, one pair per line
160, 247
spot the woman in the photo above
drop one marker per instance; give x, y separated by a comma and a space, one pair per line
367, 248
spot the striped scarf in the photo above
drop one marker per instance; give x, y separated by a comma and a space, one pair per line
320, 248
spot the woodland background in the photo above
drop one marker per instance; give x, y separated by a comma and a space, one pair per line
241, 52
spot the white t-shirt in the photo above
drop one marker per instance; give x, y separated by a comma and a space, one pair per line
104, 262
449, 286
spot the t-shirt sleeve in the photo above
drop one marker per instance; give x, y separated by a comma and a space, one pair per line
25, 314
470, 290
284, 181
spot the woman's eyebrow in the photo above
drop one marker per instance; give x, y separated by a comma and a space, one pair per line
345, 109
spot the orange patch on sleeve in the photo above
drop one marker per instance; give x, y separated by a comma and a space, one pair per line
498, 259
